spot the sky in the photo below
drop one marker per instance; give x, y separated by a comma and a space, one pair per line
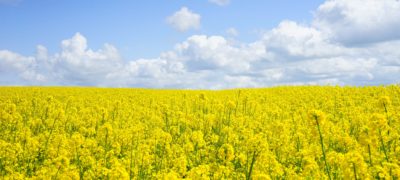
199, 44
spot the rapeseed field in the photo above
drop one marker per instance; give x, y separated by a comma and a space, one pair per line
302, 132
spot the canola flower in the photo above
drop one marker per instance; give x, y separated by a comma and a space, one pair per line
305, 132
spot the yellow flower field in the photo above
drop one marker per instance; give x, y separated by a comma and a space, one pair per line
310, 132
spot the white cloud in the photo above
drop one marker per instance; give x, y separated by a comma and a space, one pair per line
291, 53
184, 20
75, 64
14, 66
232, 32
338, 66
80, 65
13, 61
299, 41
210, 62
359, 21
220, 2
200, 52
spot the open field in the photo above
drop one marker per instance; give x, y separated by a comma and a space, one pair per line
282, 132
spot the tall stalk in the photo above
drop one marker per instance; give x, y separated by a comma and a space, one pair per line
323, 148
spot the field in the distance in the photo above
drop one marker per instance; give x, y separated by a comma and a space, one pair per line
282, 132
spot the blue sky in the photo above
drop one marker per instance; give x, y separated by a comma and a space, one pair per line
199, 44
137, 28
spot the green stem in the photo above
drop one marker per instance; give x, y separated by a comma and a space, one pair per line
58, 170
323, 150
386, 111
253, 160
383, 146
131, 160
355, 171
370, 157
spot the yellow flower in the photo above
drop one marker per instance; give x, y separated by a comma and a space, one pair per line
226, 153
62, 162
317, 116
203, 97
261, 177
231, 105
378, 121
169, 176
242, 159
385, 101
197, 139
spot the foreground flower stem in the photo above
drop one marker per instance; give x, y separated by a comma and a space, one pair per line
323, 148
355, 171
253, 160
369, 153
383, 146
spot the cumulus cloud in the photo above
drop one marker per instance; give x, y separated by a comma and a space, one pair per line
75, 64
14, 61
289, 54
16, 69
201, 52
81, 65
291, 41
359, 21
220, 2
184, 20
208, 62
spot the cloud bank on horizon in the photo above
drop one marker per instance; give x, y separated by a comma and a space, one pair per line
347, 43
